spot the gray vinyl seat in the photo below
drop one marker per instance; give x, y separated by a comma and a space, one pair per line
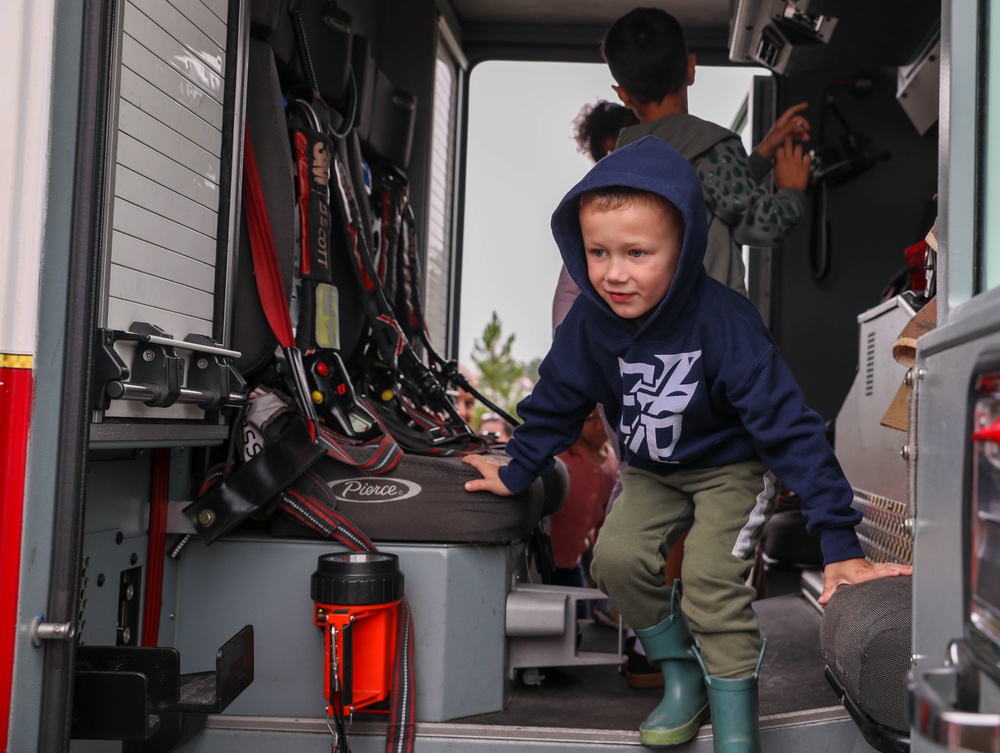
436, 508
866, 634
865, 641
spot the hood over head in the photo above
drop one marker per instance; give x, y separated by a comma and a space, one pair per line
648, 165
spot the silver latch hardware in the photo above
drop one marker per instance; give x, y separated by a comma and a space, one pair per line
41, 630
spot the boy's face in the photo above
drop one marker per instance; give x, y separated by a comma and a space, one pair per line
632, 254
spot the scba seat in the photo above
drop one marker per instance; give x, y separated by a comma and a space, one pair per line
459, 552
421, 496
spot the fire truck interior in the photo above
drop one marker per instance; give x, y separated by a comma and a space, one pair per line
275, 547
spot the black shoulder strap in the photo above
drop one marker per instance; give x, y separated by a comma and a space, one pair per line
253, 485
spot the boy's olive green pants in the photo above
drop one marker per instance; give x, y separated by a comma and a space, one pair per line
723, 509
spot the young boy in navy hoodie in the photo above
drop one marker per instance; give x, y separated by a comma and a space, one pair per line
705, 410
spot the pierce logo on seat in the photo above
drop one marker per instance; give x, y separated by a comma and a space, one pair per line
373, 490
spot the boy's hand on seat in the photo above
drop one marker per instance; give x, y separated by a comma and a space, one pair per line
857, 570
490, 470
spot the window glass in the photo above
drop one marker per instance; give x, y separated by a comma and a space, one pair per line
439, 262
521, 160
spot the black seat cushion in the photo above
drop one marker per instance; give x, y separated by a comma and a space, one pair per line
866, 640
423, 499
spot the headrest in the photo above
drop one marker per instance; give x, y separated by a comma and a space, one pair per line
393, 114
364, 78
264, 16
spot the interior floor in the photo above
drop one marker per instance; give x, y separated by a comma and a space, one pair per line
791, 677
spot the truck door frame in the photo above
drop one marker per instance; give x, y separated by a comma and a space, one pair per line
69, 211
968, 327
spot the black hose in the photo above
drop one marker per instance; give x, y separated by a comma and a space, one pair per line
307, 64
452, 374
309, 70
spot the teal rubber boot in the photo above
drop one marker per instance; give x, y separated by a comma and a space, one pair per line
735, 724
684, 706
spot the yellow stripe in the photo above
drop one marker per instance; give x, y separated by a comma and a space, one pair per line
11, 361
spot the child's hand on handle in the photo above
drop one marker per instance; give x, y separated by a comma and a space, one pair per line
489, 467
857, 570
791, 124
791, 166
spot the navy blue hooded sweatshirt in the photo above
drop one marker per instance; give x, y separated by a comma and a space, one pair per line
700, 384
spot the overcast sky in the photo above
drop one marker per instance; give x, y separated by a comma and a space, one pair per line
521, 161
